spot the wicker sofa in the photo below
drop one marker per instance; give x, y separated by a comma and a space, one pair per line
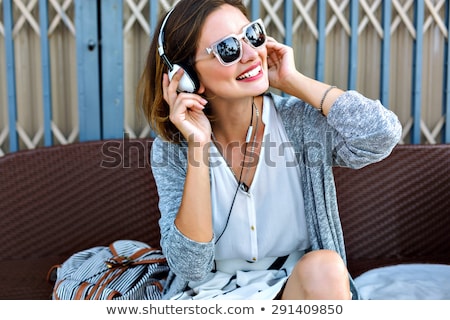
58, 200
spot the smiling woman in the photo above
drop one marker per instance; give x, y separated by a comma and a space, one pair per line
239, 218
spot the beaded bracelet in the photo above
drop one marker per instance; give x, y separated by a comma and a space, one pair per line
323, 98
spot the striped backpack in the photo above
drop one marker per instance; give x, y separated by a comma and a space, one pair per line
124, 270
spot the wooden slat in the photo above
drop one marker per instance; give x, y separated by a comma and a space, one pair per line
320, 53
288, 21
353, 50
45, 67
88, 70
446, 86
153, 7
10, 75
112, 69
386, 55
417, 73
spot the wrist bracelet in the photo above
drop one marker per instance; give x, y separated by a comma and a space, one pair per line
323, 98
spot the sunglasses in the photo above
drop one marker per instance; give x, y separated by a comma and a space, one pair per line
228, 50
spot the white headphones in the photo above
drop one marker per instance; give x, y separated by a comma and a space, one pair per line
189, 81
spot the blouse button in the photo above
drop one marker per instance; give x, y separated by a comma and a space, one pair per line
252, 228
254, 259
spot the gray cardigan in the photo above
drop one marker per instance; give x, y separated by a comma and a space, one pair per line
357, 131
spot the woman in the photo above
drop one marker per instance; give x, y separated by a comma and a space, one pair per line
247, 199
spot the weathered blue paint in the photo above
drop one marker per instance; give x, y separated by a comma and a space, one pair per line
46, 77
386, 54
288, 21
88, 69
320, 51
112, 73
10, 75
446, 93
417, 72
353, 50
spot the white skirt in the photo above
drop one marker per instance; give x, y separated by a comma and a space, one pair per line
240, 280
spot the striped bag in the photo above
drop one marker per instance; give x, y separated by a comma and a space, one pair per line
125, 270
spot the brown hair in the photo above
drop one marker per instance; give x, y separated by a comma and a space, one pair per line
181, 36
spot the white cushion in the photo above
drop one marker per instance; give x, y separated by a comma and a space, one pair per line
406, 282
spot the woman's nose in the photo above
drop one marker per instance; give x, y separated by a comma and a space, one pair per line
248, 52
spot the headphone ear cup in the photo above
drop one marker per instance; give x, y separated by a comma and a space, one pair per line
190, 73
189, 81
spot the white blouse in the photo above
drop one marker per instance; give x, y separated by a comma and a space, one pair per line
268, 219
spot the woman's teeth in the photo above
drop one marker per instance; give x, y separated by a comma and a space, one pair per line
250, 74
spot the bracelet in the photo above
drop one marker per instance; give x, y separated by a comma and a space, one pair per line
323, 98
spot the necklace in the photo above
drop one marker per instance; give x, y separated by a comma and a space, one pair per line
252, 149
240, 180
241, 184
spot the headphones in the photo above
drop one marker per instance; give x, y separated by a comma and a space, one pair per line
189, 81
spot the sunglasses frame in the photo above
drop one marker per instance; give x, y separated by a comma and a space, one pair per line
239, 37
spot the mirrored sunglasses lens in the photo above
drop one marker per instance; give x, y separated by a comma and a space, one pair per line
229, 49
255, 35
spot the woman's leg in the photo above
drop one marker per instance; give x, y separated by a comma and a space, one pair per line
319, 274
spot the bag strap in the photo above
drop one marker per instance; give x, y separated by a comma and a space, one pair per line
102, 283
139, 253
81, 288
52, 274
117, 266
149, 261
119, 260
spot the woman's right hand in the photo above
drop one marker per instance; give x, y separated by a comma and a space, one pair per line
186, 111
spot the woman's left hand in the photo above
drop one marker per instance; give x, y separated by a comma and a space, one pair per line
284, 76
281, 64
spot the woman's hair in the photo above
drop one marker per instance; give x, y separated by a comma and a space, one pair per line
181, 36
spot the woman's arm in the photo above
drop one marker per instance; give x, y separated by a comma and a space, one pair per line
183, 183
187, 257
358, 130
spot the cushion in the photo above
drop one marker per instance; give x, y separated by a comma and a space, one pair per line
406, 282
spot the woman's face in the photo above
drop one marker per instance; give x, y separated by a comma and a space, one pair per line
247, 77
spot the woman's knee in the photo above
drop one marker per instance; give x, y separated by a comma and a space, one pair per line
321, 266
320, 274
323, 262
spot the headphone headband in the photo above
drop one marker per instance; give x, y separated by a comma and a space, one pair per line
189, 81
161, 41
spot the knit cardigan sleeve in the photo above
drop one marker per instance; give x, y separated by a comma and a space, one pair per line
188, 259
